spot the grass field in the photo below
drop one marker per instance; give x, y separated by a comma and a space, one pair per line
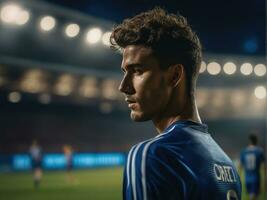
95, 184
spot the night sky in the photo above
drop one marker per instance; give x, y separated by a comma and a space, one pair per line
228, 27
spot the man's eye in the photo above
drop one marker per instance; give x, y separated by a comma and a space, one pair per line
138, 71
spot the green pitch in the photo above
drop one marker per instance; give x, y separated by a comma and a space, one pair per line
95, 184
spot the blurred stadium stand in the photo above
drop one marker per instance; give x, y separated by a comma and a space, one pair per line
61, 87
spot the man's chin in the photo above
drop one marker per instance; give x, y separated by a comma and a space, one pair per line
138, 117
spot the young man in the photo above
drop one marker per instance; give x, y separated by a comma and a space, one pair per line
252, 158
36, 157
68, 153
161, 60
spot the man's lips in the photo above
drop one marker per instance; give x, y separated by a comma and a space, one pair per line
131, 103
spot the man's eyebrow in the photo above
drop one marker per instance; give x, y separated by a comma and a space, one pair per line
131, 66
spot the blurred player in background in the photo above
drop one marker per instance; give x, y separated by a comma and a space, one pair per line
36, 158
161, 61
68, 153
252, 158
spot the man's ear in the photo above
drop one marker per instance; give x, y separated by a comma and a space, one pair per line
176, 73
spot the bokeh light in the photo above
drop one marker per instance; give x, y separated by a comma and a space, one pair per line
260, 92
260, 69
72, 30
246, 69
214, 68
47, 23
14, 14
203, 67
229, 68
105, 38
23, 17
14, 97
93, 35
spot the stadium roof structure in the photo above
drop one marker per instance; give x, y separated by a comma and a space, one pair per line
38, 56
28, 44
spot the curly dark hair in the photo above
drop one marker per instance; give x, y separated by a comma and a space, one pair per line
168, 35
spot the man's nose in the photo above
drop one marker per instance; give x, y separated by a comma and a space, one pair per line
126, 85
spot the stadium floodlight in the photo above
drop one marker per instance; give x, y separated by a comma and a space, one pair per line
260, 92
93, 35
23, 17
9, 13
109, 89
33, 81
246, 69
14, 97
214, 68
229, 68
260, 69
14, 14
105, 38
47, 23
72, 30
65, 85
89, 87
203, 67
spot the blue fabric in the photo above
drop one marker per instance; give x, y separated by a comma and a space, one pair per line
182, 163
251, 159
253, 187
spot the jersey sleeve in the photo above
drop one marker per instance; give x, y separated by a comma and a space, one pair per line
148, 177
161, 179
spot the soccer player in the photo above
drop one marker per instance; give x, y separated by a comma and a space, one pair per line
161, 61
36, 158
68, 153
252, 157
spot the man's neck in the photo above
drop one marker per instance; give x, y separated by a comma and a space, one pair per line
190, 113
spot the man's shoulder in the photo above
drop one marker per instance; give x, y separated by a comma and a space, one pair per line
253, 149
260, 149
150, 149
148, 145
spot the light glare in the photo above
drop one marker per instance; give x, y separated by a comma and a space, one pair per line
14, 97
65, 85
105, 38
203, 67
13, 14
246, 69
9, 13
23, 17
214, 68
260, 70
93, 35
89, 87
72, 30
260, 92
47, 23
229, 68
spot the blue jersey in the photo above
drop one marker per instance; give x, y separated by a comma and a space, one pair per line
251, 159
182, 163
